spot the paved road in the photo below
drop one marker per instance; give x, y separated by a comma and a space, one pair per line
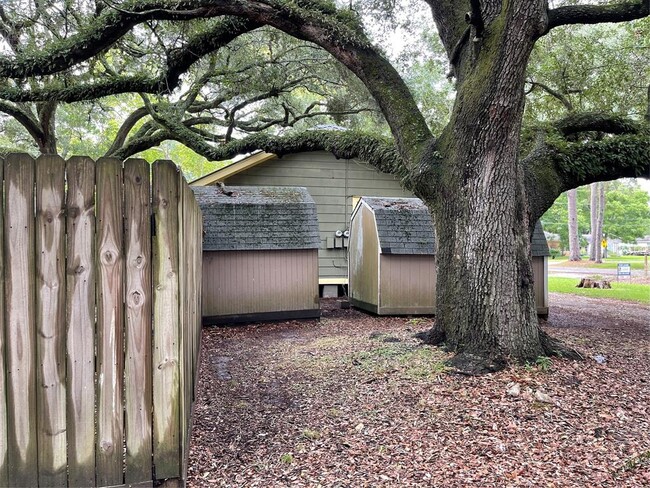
557, 269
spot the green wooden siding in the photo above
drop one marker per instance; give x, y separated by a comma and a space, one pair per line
332, 183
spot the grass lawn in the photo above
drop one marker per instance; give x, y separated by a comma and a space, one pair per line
631, 292
636, 262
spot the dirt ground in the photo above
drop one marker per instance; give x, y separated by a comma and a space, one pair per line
354, 400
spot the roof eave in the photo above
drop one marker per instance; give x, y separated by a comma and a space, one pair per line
226, 172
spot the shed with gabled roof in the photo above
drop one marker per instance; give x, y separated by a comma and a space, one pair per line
260, 253
392, 258
392, 262
334, 184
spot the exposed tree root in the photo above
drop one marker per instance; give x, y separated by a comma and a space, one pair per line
464, 363
469, 364
435, 336
555, 347
475, 364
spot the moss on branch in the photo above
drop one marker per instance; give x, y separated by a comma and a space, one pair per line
623, 156
597, 122
556, 165
212, 38
379, 152
596, 14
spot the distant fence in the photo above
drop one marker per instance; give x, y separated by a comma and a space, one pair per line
99, 321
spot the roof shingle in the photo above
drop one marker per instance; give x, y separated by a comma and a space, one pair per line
257, 218
404, 225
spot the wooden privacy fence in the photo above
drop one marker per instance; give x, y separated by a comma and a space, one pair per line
99, 321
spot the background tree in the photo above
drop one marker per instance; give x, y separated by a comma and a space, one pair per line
628, 211
600, 235
485, 179
627, 215
574, 236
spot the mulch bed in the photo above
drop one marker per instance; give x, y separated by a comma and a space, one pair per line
354, 400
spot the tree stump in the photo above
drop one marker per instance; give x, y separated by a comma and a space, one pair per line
592, 283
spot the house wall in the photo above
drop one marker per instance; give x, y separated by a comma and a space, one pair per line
407, 284
540, 275
332, 184
259, 282
364, 260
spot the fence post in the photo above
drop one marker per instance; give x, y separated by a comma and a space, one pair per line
3, 387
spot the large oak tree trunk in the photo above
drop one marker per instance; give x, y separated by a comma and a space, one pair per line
486, 310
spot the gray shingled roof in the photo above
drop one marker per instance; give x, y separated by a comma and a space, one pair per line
404, 225
538, 244
257, 218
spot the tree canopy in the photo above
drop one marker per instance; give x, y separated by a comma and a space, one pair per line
216, 76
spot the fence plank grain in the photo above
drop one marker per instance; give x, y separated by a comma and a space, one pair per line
50, 321
3, 387
166, 370
20, 320
80, 318
110, 323
137, 372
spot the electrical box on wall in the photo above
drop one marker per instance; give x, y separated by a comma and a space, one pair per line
339, 241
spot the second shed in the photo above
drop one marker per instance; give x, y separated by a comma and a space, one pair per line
392, 262
392, 258
260, 253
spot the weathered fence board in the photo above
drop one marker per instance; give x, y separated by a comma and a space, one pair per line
99, 322
190, 224
166, 380
110, 323
138, 388
80, 318
184, 297
19, 321
50, 321
3, 387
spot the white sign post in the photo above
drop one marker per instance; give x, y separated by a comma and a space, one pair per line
623, 269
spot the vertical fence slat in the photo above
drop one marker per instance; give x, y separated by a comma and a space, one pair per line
50, 321
186, 330
198, 280
198, 268
19, 321
110, 323
192, 226
183, 336
137, 372
3, 387
166, 383
80, 318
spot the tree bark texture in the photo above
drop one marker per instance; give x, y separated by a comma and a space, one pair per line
593, 214
574, 241
601, 221
485, 282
